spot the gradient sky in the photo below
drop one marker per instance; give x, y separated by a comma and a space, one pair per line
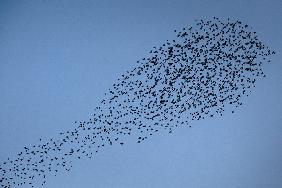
57, 58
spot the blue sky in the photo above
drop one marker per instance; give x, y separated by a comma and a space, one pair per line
57, 58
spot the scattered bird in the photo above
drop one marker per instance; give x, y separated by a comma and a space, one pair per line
206, 70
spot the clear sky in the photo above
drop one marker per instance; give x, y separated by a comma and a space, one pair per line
57, 58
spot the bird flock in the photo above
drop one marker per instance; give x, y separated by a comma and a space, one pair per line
205, 70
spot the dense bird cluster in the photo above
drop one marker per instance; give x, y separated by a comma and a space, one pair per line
205, 70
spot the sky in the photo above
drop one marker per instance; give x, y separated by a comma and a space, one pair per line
57, 58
